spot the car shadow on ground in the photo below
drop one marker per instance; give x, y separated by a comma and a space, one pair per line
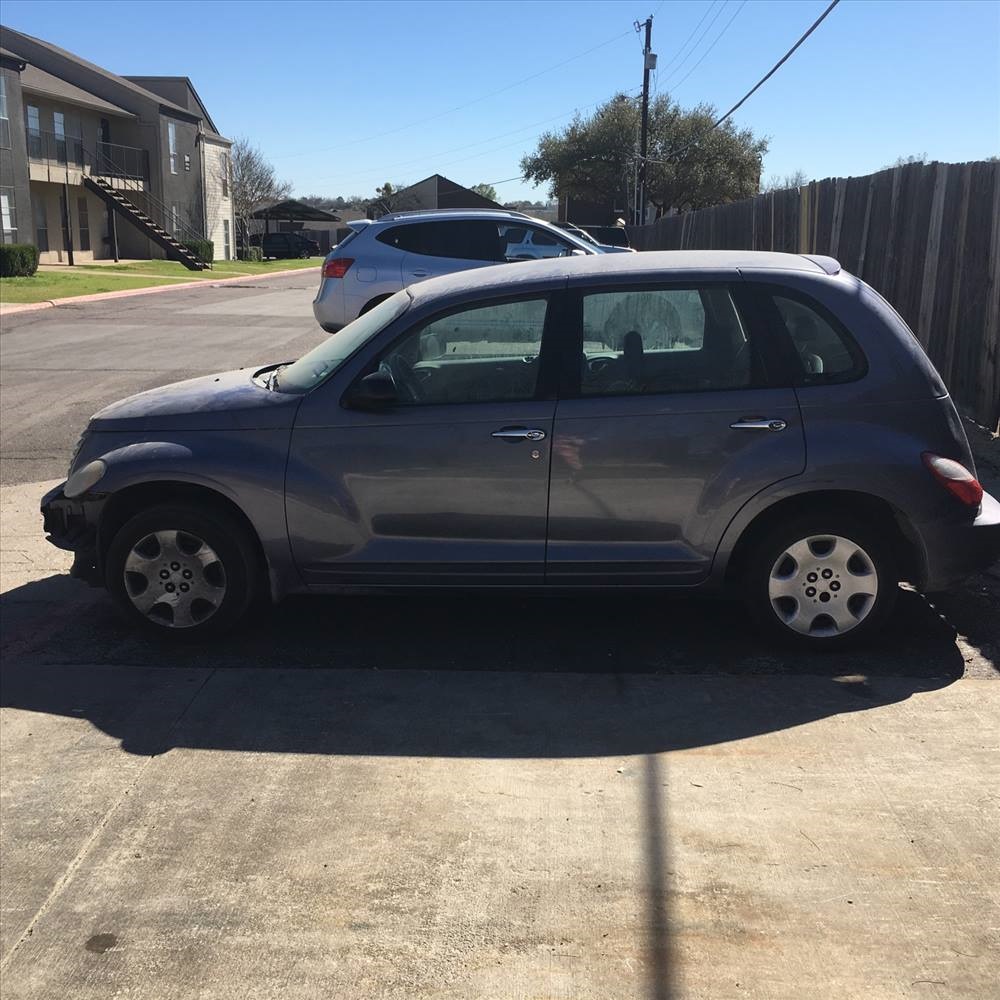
465, 675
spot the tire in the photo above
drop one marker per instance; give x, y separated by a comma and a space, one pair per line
372, 303
821, 581
172, 551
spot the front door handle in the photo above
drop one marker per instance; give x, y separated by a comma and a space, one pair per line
519, 434
758, 424
419, 274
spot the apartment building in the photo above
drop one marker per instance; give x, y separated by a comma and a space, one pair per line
94, 165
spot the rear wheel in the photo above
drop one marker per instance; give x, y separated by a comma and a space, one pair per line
821, 581
181, 573
372, 303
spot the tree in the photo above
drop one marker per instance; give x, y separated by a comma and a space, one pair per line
690, 164
906, 161
253, 183
796, 179
485, 190
392, 198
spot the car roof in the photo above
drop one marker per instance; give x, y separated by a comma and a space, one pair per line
431, 214
653, 263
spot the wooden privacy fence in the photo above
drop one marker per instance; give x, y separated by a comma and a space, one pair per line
927, 236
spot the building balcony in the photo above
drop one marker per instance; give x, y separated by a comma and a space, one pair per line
64, 159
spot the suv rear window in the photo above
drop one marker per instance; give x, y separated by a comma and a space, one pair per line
826, 353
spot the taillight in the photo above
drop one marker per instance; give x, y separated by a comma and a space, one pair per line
955, 478
337, 267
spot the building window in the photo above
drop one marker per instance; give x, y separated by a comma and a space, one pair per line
225, 177
175, 218
172, 146
41, 225
225, 240
34, 133
83, 215
59, 128
4, 120
8, 216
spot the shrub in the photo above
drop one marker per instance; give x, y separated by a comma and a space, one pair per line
204, 250
18, 260
252, 253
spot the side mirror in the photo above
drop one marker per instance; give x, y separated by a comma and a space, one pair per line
374, 392
573, 252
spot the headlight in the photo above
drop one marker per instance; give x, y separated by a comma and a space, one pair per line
83, 479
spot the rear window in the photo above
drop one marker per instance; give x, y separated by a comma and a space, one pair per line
825, 351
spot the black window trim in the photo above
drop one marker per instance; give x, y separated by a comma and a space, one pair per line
788, 371
549, 367
763, 355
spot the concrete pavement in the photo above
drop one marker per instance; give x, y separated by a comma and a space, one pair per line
459, 797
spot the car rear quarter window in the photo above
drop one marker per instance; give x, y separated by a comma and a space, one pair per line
824, 352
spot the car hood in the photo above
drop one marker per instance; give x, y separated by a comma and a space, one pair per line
234, 400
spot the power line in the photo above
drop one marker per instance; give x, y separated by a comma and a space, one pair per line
694, 47
753, 90
673, 59
712, 46
434, 155
460, 107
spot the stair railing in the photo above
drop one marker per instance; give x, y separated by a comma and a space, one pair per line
127, 168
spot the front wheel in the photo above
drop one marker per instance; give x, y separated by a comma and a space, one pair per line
821, 581
181, 572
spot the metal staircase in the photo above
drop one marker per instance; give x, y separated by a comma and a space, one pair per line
145, 217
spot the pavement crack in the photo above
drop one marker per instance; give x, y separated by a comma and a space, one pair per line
81, 855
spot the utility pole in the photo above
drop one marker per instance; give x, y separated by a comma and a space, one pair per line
648, 63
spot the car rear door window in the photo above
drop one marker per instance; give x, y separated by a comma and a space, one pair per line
665, 340
459, 239
824, 352
486, 354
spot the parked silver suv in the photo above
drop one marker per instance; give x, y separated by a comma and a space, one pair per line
379, 258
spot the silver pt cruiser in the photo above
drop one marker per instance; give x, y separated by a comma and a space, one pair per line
700, 421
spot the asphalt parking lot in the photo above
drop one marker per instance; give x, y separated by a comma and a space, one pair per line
456, 796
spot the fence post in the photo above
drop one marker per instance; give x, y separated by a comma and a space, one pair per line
928, 287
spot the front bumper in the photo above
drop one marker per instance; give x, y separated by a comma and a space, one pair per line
959, 551
72, 525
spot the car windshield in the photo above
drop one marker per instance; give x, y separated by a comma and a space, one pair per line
322, 361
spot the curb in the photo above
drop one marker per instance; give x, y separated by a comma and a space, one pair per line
13, 308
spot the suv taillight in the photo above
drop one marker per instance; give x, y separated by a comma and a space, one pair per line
955, 478
337, 267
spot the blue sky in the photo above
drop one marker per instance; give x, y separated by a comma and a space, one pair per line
344, 96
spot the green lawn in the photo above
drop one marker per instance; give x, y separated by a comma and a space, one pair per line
86, 279
57, 285
220, 269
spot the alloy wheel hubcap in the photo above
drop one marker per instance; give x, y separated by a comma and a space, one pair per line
175, 579
823, 585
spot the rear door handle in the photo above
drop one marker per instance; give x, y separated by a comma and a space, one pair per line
758, 424
419, 274
519, 434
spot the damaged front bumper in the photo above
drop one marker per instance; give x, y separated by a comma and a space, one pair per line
72, 525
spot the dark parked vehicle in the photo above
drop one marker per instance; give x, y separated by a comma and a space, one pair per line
288, 245
612, 236
757, 423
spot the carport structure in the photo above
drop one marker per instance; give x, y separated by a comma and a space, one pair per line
291, 211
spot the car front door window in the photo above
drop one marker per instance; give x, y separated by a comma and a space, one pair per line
487, 354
